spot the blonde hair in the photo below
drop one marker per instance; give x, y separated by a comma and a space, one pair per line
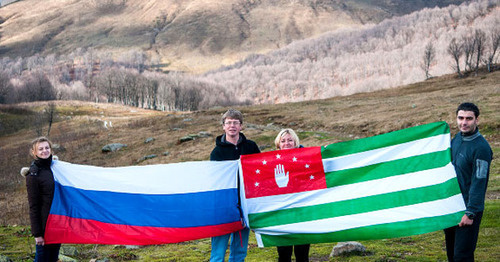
35, 143
284, 132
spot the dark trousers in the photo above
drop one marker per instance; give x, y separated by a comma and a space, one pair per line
301, 253
47, 253
461, 241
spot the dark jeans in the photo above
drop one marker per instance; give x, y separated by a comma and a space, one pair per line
47, 253
301, 253
461, 241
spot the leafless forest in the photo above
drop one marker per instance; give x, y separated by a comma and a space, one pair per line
399, 51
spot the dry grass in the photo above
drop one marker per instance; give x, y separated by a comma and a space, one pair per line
81, 133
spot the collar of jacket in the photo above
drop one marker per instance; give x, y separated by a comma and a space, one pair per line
223, 142
472, 136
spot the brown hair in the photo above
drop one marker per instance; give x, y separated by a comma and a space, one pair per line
233, 114
35, 143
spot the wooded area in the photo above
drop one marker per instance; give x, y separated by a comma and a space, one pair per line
396, 52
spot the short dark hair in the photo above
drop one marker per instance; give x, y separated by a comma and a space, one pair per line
467, 106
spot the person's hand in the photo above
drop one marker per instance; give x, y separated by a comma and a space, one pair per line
280, 176
466, 221
39, 241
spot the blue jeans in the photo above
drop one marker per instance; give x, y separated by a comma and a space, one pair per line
237, 249
47, 253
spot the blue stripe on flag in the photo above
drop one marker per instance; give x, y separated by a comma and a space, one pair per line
175, 210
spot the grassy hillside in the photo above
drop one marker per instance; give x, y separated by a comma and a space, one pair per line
194, 36
80, 134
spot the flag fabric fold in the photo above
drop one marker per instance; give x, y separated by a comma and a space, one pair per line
396, 184
143, 205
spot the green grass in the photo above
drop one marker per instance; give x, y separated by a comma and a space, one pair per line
16, 244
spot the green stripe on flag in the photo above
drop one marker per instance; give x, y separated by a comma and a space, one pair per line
354, 206
381, 231
384, 140
388, 169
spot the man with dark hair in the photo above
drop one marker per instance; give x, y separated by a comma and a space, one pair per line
471, 156
230, 146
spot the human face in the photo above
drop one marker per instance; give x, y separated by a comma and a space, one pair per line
466, 121
42, 150
232, 127
287, 142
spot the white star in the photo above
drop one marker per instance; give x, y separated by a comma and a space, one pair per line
294, 159
278, 156
256, 183
257, 171
264, 162
311, 177
307, 165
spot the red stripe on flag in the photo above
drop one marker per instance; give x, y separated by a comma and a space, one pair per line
283, 172
63, 229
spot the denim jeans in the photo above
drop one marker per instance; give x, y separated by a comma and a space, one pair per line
47, 253
237, 249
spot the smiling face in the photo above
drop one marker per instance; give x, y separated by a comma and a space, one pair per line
232, 127
287, 142
42, 150
466, 121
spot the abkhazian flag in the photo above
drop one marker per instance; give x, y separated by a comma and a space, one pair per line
143, 205
392, 185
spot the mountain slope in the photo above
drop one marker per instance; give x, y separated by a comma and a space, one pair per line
192, 35
370, 58
80, 131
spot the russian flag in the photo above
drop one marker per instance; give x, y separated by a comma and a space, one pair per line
143, 205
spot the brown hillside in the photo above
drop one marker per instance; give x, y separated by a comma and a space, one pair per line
194, 36
81, 133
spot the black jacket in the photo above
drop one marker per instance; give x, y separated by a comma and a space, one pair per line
227, 151
40, 187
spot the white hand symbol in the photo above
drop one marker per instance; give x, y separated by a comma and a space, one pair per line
280, 176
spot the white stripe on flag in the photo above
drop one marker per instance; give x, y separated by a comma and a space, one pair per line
177, 178
258, 237
369, 188
380, 155
428, 209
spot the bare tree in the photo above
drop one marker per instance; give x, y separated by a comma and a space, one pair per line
455, 50
41, 118
106, 84
50, 111
37, 87
37, 122
5, 87
429, 56
495, 43
479, 39
469, 47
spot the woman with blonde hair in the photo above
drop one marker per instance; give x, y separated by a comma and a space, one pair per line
288, 139
40, 187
